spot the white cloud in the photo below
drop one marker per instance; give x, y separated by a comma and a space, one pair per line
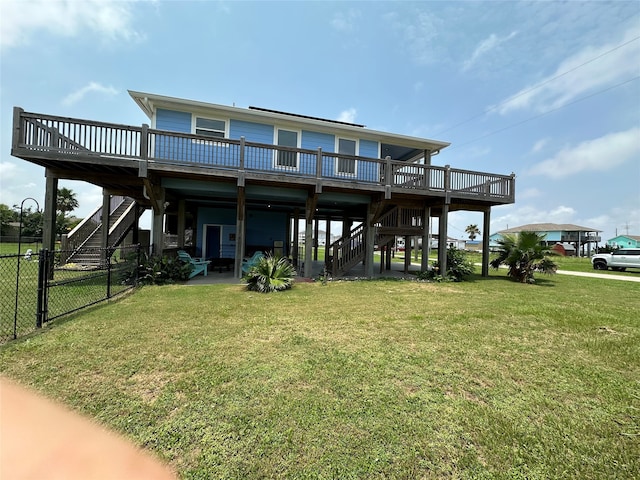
420, 34
590, 69
600, 154
348, 115
527, 214
486, 46
78, 95
528, 193
345, 22
9, 171
539, 145
20, 20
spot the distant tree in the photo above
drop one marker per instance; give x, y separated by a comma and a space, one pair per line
31, 221
66, 203
524, 254
7, 216
473, 231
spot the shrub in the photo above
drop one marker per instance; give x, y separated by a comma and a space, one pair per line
270, 274
524, 254
158, 270
458, 267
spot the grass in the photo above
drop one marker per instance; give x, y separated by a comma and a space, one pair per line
372, 379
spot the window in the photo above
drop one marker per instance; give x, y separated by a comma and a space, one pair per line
210, 127
346, 165
287, 159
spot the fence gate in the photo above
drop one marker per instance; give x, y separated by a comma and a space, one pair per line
39, 287
19, 298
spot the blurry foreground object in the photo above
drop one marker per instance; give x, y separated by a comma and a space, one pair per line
44, 440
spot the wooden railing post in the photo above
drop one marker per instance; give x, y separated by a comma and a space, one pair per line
512, 187
447, 182
387, 178
319, 171
241, 173
17, 127
144, 142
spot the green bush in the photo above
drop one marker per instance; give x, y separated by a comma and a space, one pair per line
270, 274
458, 267
158, 270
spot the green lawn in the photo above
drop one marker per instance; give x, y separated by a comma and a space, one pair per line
372, 379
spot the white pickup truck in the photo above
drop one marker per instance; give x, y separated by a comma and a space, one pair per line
618, 260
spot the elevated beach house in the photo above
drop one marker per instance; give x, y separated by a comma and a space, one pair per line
226, 182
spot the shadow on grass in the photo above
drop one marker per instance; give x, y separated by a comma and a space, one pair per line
541, 279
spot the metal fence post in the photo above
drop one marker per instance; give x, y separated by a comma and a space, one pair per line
109, 253
42, 282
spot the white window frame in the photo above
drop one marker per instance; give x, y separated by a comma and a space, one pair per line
287, 168
194, 119
337, 161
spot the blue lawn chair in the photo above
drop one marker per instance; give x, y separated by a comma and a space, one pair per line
250, 262
199, 264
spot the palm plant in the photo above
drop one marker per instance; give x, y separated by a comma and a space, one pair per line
524, 254
270, 274
473, 231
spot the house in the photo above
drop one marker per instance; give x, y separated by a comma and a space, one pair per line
244, 179
564, 233
624, 241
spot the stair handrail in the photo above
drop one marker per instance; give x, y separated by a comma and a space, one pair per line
122, 225
80, 235
347, 250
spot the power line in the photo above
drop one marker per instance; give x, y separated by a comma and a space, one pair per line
508, 127
539, 85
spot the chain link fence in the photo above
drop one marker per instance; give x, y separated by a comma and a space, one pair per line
18, 294
40, 287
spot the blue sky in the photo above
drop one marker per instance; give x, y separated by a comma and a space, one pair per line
547, 90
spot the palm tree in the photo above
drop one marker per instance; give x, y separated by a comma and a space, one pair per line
270, 274
66, 201
473, 231
524, 254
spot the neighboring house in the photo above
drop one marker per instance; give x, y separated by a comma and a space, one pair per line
625, 241
581, 238
243, 179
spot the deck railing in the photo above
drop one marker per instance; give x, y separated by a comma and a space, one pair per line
44, 135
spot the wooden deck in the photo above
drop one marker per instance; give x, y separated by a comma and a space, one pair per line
125, 159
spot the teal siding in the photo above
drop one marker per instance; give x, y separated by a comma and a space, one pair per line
262, 228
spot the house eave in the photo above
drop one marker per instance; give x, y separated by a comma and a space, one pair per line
150, 102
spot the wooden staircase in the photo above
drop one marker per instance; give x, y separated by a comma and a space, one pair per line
84, 243
346, 252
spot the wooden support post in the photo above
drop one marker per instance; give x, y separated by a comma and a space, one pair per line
312, 201
442, 239
316, 231
426, 239
182, 220
407, 253
485, 242
327, 238
296, 237
104, 227
370, 239
49, 215
240, 232
158, 222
